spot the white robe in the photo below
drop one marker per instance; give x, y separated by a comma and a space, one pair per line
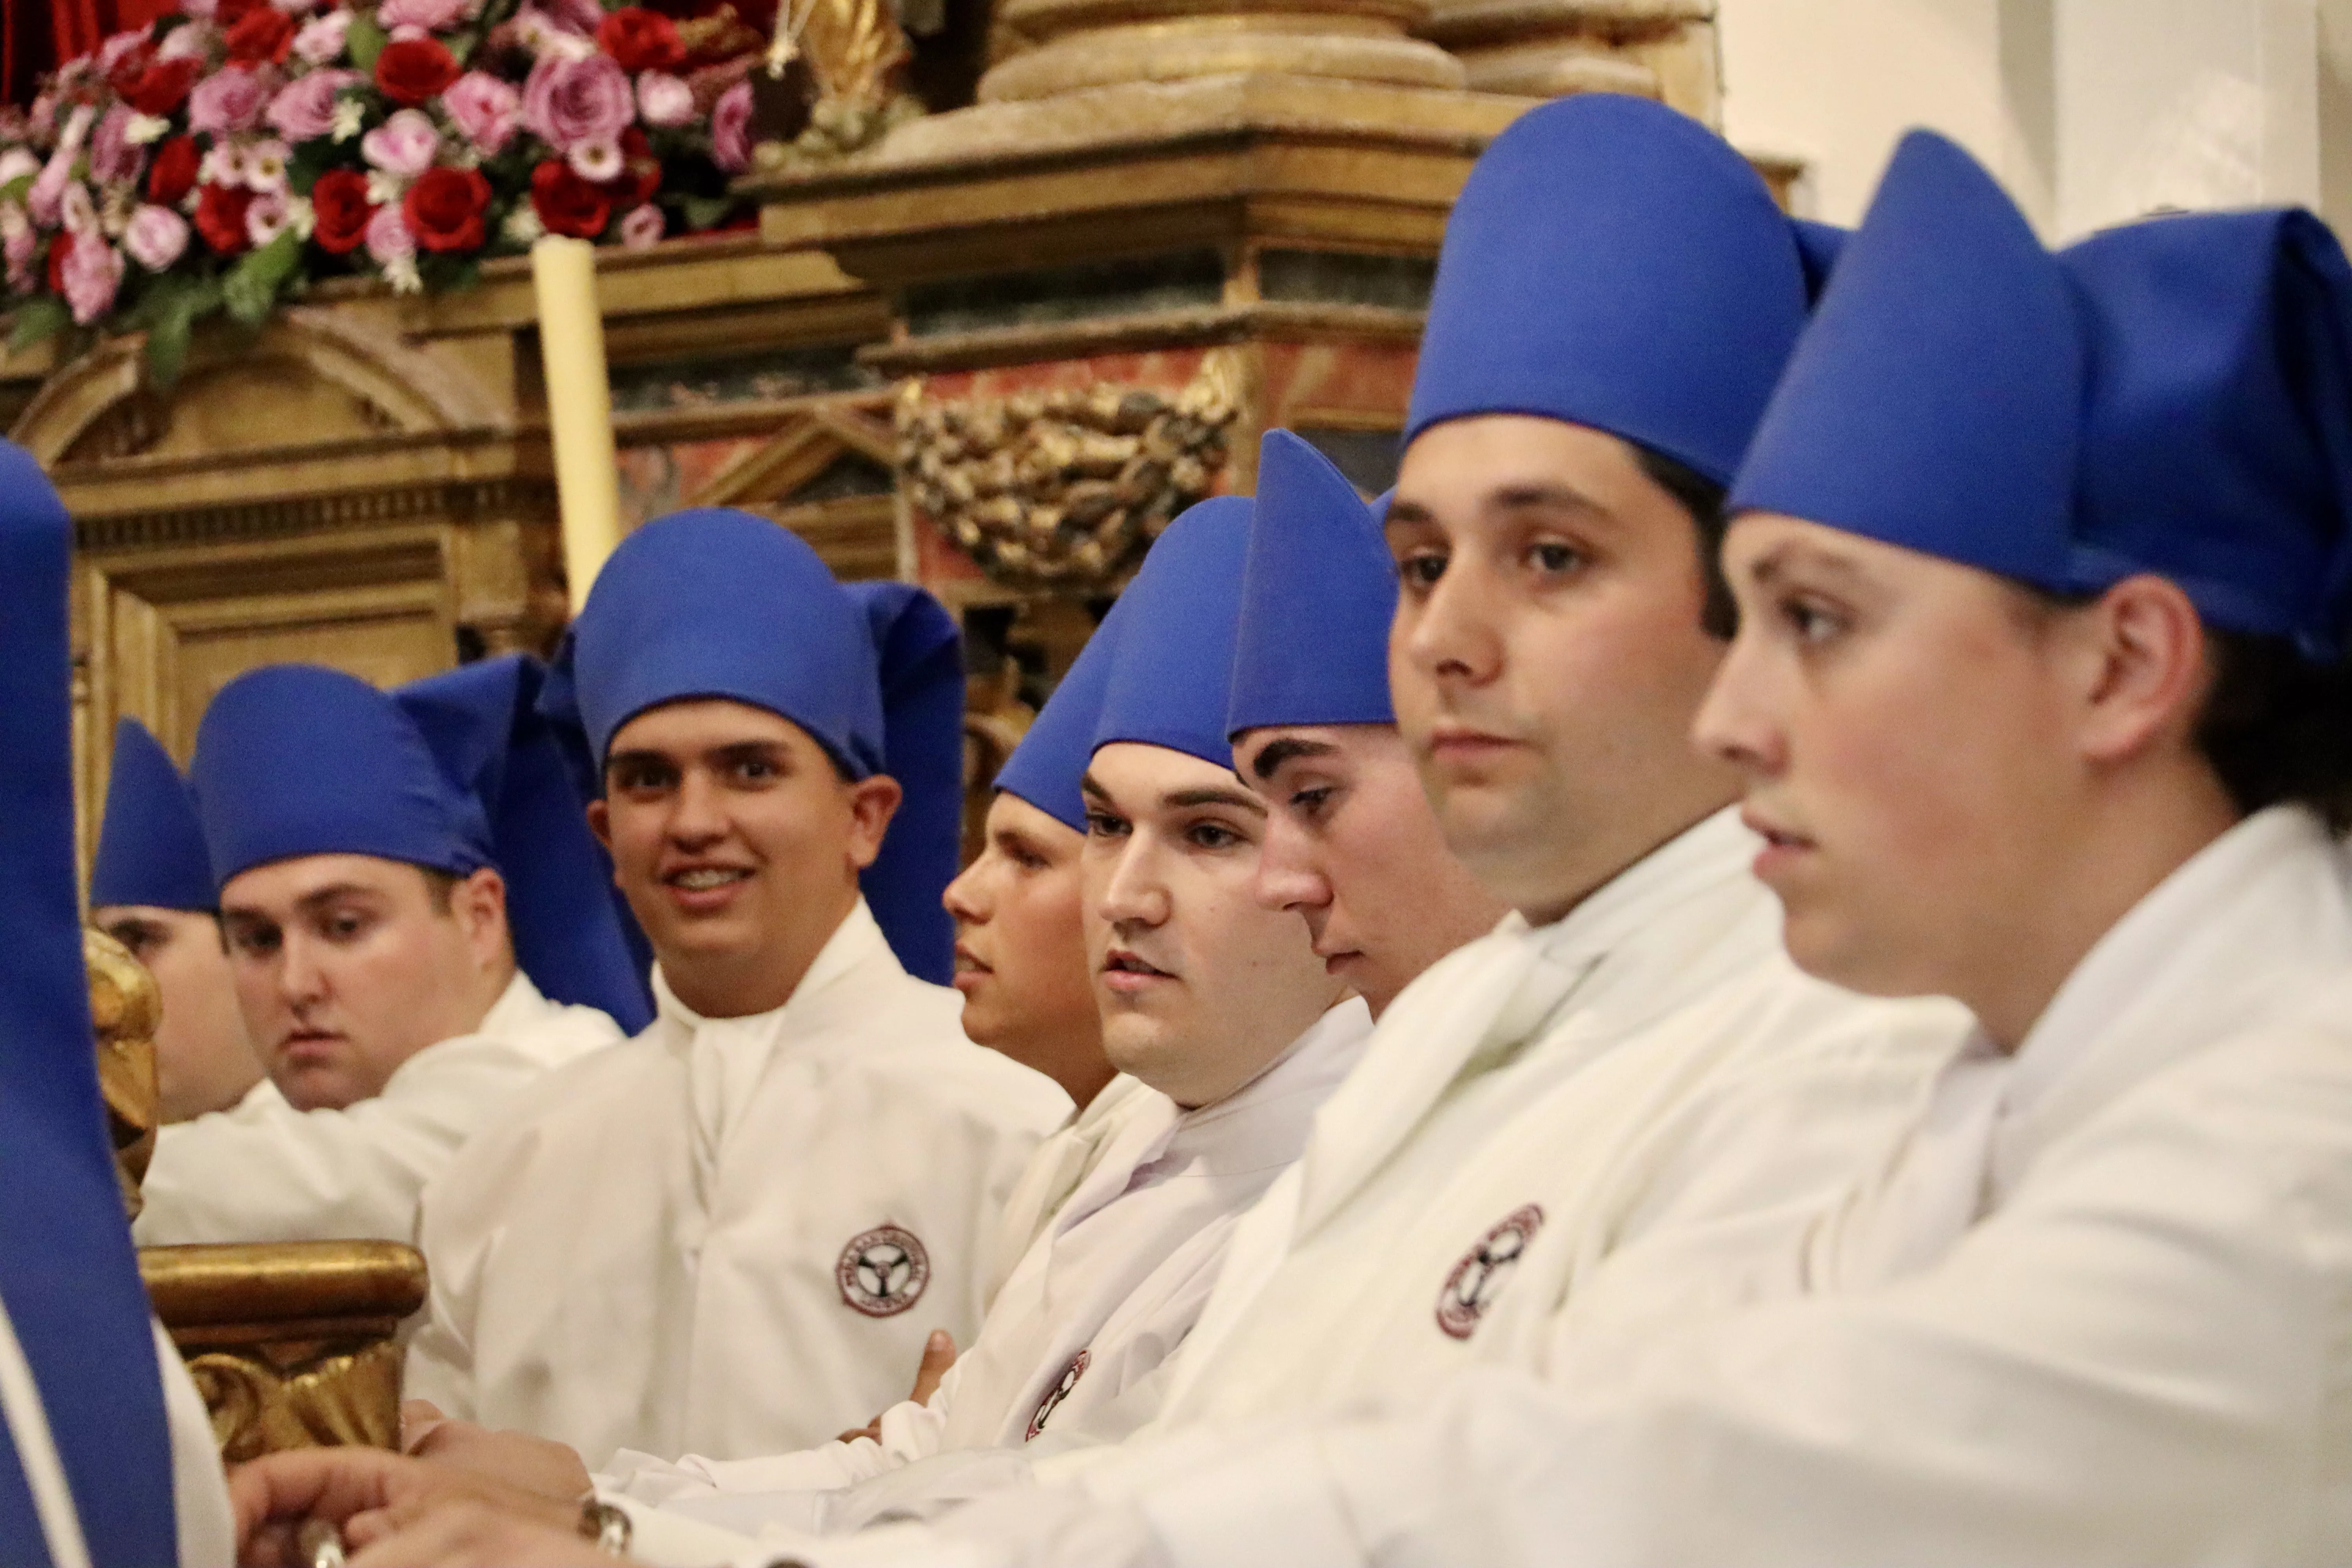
1090, 1315
1056, 1167
1645, 1091
2094, 1308
262, 1171
729, 1237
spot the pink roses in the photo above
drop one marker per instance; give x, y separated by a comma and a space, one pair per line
486, 109
571, 101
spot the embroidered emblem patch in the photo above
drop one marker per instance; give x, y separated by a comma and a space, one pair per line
1058, 1392
1479, 1278
882, 1272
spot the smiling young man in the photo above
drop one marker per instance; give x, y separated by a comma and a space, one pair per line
367, 920
152, 890
732, 1235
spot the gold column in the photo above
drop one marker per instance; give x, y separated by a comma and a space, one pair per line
1080, 43
1663, 49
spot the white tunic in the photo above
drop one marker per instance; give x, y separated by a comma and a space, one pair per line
1056, 1167
262, 1171
1644, 1096
1089, 1315
729, 1237
2096, 1308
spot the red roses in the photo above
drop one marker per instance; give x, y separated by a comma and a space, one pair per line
411, 70
445, 208
568, 205
220, 218
154, 87
641, 40
339, 210
174, 173
263, 36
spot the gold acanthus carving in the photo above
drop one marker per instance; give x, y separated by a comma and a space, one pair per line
1064, 488
281, 1396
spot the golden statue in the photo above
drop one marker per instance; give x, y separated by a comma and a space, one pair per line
293, 1344
125, 1006
836, 74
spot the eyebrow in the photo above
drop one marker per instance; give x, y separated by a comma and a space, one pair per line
1534, 493
1271, 756
311, 901
1776, 563
1187, 799
1087, 786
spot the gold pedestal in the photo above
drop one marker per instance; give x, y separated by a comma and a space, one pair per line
293, 1344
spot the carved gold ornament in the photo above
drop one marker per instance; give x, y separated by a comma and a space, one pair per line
1066, 487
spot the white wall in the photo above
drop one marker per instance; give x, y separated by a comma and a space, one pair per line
1837, 82
2092, 111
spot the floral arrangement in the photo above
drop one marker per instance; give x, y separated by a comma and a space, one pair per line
228, 156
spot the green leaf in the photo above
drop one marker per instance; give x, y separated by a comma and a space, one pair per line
17, 189
170, 310
251, 287
705, 212
36, 321
311, 160
365, 41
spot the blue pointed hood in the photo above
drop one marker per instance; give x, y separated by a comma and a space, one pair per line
1318, 595
151, 849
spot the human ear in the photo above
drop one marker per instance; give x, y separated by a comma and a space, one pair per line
873, 801
600, 822
2149, 670
481, 904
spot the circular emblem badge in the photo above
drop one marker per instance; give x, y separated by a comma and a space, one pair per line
882, 1272
1058, 1392
1479, 1278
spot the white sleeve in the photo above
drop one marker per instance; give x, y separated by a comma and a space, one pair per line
2137, 1361
267, 1172
207, 1526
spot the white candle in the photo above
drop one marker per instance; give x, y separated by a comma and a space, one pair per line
578, 406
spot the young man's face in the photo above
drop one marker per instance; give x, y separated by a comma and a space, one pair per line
347, 965
1548, 656
1905, 736
1021, 949
738, 844
204, 1059
1201, 987
1353, 847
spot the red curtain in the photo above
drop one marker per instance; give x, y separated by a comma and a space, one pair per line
36, 36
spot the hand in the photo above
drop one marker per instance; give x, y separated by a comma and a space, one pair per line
365, 1492
518, 1458
467, 1534
938, 1354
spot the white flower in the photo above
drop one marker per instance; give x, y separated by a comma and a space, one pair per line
114, 210
300, 216
401, 273
266, 219
144, 128
596, 161
385, 189
265, 167
224, 165
522, 225
350, 115
76, 213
